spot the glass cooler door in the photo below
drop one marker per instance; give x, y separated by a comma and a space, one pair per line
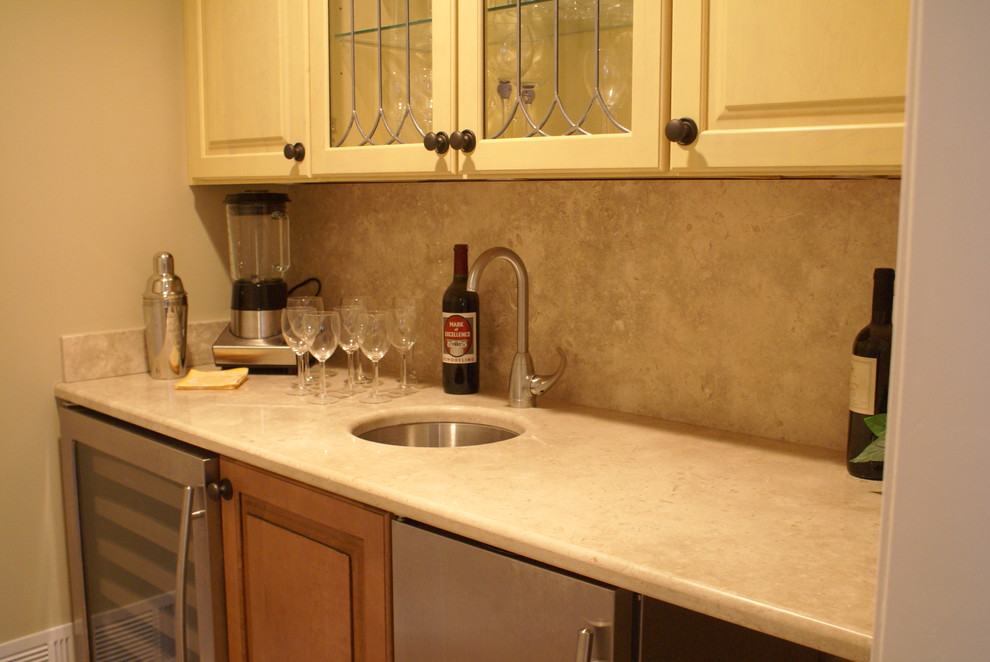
139, 525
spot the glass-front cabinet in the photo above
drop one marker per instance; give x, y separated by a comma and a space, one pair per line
407, 87
561, 85
381, 79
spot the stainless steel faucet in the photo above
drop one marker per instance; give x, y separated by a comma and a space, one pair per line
524, 383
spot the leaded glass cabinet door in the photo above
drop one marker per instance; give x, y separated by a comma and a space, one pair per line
561, 85
381, 78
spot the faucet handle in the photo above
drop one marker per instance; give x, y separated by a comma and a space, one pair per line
540, 384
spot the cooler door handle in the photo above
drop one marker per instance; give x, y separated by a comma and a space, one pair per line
185, 521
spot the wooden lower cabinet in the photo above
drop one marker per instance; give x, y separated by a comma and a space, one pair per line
674, 633
306, 572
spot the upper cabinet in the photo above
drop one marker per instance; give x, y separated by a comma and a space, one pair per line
565, 86
247, 88
381, 78
392, 89
491, 87
784, 87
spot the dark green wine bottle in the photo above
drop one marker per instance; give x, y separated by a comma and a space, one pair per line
460, 330
870, 380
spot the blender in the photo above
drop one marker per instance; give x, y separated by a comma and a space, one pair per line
258, 228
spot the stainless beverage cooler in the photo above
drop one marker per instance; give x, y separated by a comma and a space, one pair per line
143, 537
458, 601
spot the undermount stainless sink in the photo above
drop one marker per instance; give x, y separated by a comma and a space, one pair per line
438, 434
453, 432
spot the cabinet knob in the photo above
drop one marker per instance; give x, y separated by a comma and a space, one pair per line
294, 152
683, 131
437, 142
464, 140
222, 489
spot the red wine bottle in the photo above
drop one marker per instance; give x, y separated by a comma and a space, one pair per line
460, 330
870, 376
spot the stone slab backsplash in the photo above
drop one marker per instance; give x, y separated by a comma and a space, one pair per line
116, 353
727, 303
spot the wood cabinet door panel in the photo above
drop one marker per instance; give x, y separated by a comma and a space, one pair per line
280, 566
306, 572
246, 87
782, 86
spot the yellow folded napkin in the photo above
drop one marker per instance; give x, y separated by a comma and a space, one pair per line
213, 379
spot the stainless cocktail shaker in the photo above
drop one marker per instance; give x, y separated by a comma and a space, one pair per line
165, 310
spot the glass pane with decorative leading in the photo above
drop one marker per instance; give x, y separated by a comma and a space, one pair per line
381, 63
557, 67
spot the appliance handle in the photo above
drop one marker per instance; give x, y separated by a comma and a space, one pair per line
185, 520
586, 640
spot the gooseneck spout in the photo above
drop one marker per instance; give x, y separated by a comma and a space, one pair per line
522, 289
524, 383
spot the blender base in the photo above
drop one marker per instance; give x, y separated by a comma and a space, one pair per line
229, 351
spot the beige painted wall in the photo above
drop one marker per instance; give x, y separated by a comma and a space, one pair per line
93, 181
727, 303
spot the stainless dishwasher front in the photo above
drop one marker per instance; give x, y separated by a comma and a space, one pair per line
454, 600
144, 543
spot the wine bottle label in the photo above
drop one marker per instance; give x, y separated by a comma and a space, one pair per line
458, 338
863, 385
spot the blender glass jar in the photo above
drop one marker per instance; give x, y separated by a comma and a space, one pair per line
258, 229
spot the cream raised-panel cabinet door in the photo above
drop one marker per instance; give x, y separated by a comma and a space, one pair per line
247, 88
549, 106
789, 86
382, 77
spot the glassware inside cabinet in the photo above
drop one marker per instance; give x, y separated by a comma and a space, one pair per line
381, 66
557, 67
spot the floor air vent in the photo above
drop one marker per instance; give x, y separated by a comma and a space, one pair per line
49, 646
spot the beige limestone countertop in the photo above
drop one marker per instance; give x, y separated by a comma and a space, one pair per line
773, 536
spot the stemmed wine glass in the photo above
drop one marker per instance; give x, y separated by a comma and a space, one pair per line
417, 304
309, 302
294, 333
373, 338
401, 327
323, 327
348, 340
362, 305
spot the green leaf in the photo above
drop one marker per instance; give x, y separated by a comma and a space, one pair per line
877, 424
874, 451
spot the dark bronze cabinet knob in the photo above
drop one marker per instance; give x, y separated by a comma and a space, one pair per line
437, 142
464, 140
683, 131
296, 152
220, 490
